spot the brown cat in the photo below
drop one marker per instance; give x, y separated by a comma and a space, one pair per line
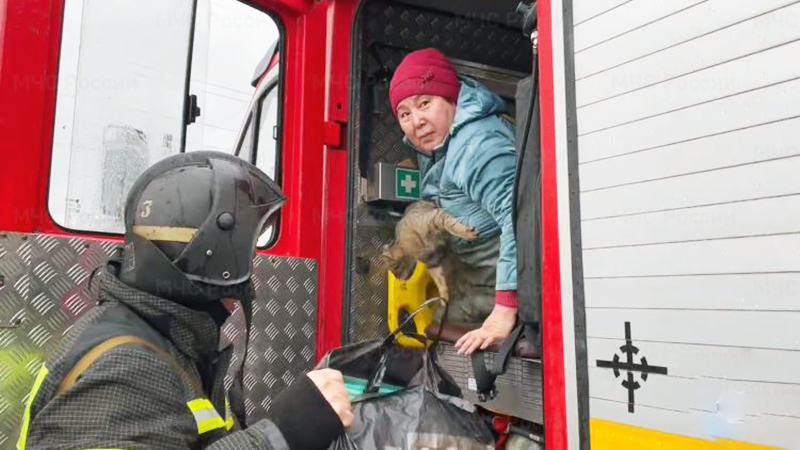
423, 235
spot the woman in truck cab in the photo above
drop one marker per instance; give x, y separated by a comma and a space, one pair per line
467, 158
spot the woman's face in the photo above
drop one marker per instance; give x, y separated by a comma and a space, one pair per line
426, 120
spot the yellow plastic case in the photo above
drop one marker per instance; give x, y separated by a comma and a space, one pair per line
405, 297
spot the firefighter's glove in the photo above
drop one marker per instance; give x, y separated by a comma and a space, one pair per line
313, 411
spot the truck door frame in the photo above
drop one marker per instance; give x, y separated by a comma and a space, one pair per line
564, 361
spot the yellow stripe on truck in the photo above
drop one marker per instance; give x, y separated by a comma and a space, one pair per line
607, 435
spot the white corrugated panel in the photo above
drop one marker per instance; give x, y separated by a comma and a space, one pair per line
753, 108
751, 292
755, 144
640, 56
586, 10
767, 217
632, 16
715, 83
689, 163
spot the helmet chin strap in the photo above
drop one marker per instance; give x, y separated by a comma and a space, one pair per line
236, 392
159, 276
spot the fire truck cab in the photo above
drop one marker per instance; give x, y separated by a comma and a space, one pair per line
669, 215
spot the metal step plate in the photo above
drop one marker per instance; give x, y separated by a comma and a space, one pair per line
43, 291
519, 390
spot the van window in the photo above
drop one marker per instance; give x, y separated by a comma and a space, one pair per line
231, 39
140, 81
259, 141
268, 132
266, 154
246, 148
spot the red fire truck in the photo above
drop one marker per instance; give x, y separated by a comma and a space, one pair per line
669, 213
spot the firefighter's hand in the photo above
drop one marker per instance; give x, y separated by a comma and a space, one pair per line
495, 328
331, 384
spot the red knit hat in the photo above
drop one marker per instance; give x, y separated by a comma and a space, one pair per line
423, 72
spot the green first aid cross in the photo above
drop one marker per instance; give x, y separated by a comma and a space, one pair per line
406, 183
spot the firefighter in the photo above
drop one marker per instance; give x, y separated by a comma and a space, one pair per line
467, 158
144, 368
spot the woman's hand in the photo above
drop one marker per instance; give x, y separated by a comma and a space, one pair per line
495, 328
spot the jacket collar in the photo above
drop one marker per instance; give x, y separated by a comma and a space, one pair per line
438, 152
194, 333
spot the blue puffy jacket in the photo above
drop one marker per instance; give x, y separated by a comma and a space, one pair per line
471, 176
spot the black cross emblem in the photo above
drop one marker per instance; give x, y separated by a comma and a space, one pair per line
629, 383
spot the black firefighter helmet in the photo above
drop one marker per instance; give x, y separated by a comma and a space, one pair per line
192, 221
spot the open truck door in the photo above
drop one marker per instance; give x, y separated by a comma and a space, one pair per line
95, 92
484, 42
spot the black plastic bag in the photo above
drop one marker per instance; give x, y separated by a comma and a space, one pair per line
402, 399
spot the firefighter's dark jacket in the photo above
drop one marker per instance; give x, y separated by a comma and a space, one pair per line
132, 397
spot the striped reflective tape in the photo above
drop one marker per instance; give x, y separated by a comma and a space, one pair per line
228, 415
26, 420
207, 418
171, 234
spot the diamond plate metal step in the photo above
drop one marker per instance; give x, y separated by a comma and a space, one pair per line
43, 281
519, 390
